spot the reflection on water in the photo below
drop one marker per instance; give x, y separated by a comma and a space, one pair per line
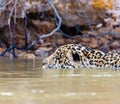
23, 81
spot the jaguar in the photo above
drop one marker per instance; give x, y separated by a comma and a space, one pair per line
79, 56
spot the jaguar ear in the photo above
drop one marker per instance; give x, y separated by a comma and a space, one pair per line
75, 56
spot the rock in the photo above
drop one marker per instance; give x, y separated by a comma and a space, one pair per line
26, 55
115, 45
43, 51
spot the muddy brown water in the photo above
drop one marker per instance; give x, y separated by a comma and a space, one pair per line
25, 82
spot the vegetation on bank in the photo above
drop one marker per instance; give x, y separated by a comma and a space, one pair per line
40, 26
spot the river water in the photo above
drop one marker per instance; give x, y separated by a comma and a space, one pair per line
25, 82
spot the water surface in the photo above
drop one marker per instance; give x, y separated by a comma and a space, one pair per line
25, 82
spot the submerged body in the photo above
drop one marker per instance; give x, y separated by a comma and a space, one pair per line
78, 56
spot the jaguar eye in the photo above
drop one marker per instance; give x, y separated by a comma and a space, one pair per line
55, 57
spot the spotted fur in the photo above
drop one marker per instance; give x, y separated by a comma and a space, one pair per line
78, 56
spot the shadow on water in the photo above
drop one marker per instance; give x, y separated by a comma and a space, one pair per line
24, 81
